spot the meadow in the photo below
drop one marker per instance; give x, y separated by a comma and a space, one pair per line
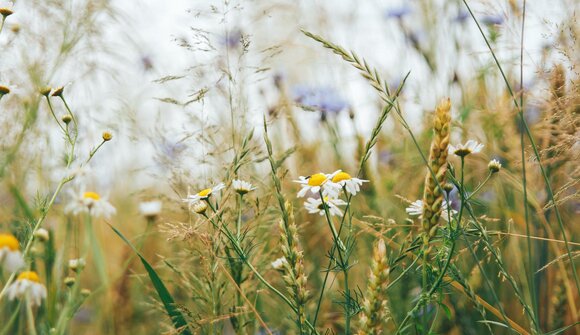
289, 167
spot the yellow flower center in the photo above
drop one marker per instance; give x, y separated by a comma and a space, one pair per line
340, 177
30, 275
204, 193
317, 179
9, 241
92, 195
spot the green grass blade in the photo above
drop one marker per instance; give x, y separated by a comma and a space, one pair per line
176, 317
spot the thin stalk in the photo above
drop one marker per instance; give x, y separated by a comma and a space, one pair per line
30, 319
344, 266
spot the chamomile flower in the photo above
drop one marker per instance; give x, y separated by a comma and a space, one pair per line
494, 166
416, 209
11, 258
199, 207
150, 209
352, 185
317, 206
242, 187
27, 286
90, 202
203, 194
279, 263
462, 150
316, 182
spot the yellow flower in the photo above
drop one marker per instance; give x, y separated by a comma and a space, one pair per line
11, 258
27, 285
203, 194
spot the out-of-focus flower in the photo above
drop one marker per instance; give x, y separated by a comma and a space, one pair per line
416, 209
233, 39
317, 206
203, 194
462, 150
11, 258
398, 12
77, 264
316, 182
150, 209
279, 263
242, 187
29, 287
324, 99
42, 235
492, 20
352, 185
199, 207
494, 166
89, 202
461, 17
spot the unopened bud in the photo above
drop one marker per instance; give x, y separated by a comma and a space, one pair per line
45, 91
42, 235
67, 118
107, 136
58, 92
70, 281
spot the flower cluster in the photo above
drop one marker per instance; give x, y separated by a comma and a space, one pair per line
325, 190
198, 201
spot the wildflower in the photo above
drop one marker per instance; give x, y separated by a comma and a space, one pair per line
107, 136
317, 182
45, 91
90, 202
6, 12
416, 209
70, 281
77, 264
398, 12
4, 90
27, 286
318, 206
42, 235
242, 187
203, 194
199, 207
462, 150
150, 209
279, 263
11, 258
492, 20
58, 92
352, 185
67, 118
494, 166
323, 99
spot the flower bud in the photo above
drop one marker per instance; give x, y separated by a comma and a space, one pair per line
45, 91
70, 281
107, 136
58, 92
67, 118
494, 166
42, 235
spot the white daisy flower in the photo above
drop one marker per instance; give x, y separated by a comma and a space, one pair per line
199, 207
242, 187
11, 258
317, 182
150, 209
317, 206
462, 150
416, 209
343, 179
90, 202
279, 263
27, 286
203, 194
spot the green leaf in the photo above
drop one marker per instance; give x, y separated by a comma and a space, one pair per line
563, 329
176, 317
